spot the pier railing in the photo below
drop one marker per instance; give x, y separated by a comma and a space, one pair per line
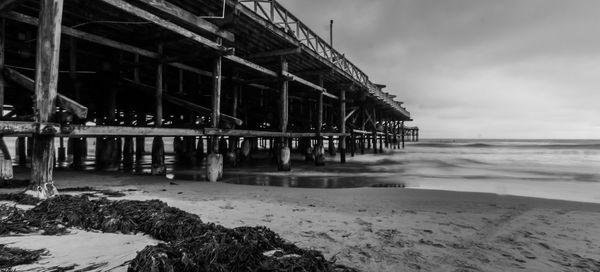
281, 18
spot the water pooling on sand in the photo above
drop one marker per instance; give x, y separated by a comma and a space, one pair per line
559, 169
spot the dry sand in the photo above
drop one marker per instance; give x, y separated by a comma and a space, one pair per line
373, 229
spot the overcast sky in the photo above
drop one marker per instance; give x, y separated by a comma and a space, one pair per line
475, 68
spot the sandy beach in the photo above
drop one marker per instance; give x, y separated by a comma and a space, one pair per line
372, 229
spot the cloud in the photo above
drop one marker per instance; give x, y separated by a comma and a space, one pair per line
475, 68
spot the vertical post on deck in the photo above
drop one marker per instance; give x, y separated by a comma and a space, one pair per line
284, 158
46, 81
158, 148
342, 139
6, 170
214, 162
319, 148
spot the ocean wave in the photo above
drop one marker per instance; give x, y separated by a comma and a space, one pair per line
581, 146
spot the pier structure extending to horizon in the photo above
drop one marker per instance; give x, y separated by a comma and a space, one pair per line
219, 76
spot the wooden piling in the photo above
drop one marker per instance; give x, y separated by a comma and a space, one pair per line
246, 149
6, 170
200, 148
128, 150
233, 141
319, 149
284, 156
342, 139
331, 146
62, 155
20, 151
352, 143
140, 140
214, 162
46, 81
158, 146
402, 132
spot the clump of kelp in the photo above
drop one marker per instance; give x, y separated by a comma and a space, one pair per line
189, 244
10, 256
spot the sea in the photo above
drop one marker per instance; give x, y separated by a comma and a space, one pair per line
553, 169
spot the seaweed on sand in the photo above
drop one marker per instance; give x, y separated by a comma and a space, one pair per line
190, 244
20, 198
10, 256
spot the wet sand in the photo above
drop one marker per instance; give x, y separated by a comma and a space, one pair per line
373, 229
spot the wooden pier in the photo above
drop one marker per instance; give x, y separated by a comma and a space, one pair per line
222, 77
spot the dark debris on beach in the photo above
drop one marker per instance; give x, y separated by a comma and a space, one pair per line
10, 256
189, 244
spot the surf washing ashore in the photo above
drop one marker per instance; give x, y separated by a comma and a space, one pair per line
359, 215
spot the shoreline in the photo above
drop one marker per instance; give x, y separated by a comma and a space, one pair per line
384, 229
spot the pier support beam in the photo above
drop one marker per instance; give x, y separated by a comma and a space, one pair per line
6, 170
46, 81
62, 154
158, 146
352, 143
402, 132
21, 151
342, 141
128, 149
232, 158
284, 156
140, 144
214, 163
200, 148
319, 148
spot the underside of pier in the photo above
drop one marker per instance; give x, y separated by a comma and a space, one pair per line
221, 76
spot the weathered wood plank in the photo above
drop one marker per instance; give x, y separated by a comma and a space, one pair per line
46, 81
124, 6
177, 14
351, 113
292, 77
276, 53
89, 131
62, 101
8, 5
136, 50
251, 65
216, 101
261, 133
